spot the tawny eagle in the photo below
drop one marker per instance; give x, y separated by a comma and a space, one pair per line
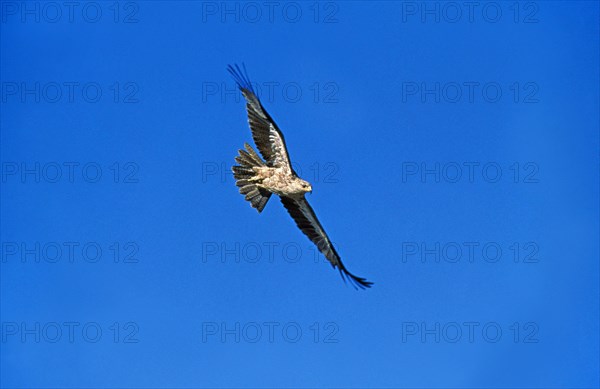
258, 179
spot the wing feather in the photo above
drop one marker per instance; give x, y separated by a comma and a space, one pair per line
267, 136
307, 221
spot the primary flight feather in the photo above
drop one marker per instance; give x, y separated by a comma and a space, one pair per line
258, 179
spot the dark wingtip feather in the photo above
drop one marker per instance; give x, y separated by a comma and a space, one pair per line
240, 75
357, 282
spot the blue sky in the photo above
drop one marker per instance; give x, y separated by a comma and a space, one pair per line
453, 153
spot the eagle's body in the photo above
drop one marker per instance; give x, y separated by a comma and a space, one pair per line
258, 179
278, 180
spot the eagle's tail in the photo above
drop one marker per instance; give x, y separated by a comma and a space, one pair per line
244, 175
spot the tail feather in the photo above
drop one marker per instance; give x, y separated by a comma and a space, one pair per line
245, 160
243, 174
242, 171
253, 154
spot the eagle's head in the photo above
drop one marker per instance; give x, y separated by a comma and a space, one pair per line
305, 186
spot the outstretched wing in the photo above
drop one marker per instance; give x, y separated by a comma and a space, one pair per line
307, 221
267, 136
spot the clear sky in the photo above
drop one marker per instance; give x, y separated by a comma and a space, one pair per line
452, 149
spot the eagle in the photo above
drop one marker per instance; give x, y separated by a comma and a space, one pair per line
258, 179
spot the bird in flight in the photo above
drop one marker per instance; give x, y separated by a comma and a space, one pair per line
258, 179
